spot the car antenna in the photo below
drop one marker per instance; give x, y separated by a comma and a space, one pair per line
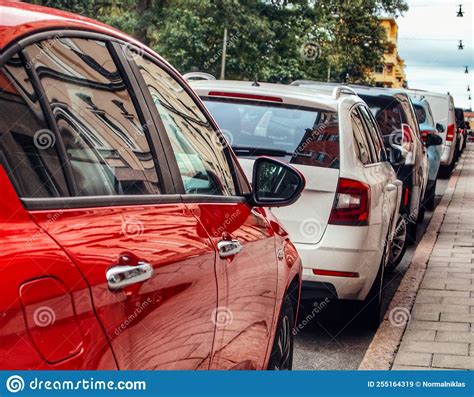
255, 82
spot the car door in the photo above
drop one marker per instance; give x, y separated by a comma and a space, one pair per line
378, 174
212, 189
392, 186
47, 318
150, 269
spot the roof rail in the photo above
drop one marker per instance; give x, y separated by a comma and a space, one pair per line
191, 76
342, 89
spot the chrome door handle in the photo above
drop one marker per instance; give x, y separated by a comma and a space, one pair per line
390, 187
228, 248
119, 277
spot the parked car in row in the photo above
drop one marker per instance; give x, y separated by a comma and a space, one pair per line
432, 141
130, 237
442, 107
461, 128
396, 119
344, 224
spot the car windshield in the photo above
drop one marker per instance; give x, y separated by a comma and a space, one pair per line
302, 136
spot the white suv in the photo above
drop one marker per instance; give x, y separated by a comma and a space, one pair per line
344, 223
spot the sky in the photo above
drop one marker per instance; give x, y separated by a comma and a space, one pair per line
428, 37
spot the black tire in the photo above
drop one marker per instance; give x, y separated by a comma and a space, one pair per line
399, 244
445, 171
412, 228
281, 357
430, 197
370, 315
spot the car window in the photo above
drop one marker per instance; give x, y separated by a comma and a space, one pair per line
420, 113
104, 140
300, 135
361, 145
26, 142
389, 115
198, 149
410, 118
374, 135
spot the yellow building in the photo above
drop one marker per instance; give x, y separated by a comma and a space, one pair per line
392, 72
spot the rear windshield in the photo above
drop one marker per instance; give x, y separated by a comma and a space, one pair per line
300, 136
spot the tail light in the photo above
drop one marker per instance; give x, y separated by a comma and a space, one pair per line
450, 133
407, 137
424, 134
351, 207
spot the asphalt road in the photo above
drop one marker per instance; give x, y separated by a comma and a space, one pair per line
333, 340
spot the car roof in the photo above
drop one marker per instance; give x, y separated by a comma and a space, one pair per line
422, 93
289, 94
360, 89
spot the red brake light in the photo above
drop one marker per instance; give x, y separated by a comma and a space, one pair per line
335, 273
450, 133
245, 96
351, 207
424, 134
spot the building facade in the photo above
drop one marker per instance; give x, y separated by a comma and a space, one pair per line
391, 73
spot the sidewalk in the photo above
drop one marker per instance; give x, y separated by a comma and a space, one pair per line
440, 331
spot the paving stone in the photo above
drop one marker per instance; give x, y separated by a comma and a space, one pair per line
408, 358
450, 336
421, 334
457, 318
453, 361
438, 325
461, 349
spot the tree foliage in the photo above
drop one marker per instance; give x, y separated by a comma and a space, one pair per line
264, 37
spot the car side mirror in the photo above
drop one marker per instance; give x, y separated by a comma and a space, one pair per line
275, 184
439, 127
433, 140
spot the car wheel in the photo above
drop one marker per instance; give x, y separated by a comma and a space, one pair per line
399, 244
282, 351
445, 171
430, 198
371, 308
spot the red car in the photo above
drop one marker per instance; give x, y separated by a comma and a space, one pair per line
130, 237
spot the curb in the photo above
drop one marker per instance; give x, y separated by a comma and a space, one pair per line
384, 346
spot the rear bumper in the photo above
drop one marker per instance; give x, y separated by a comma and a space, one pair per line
447, 153
343, 249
